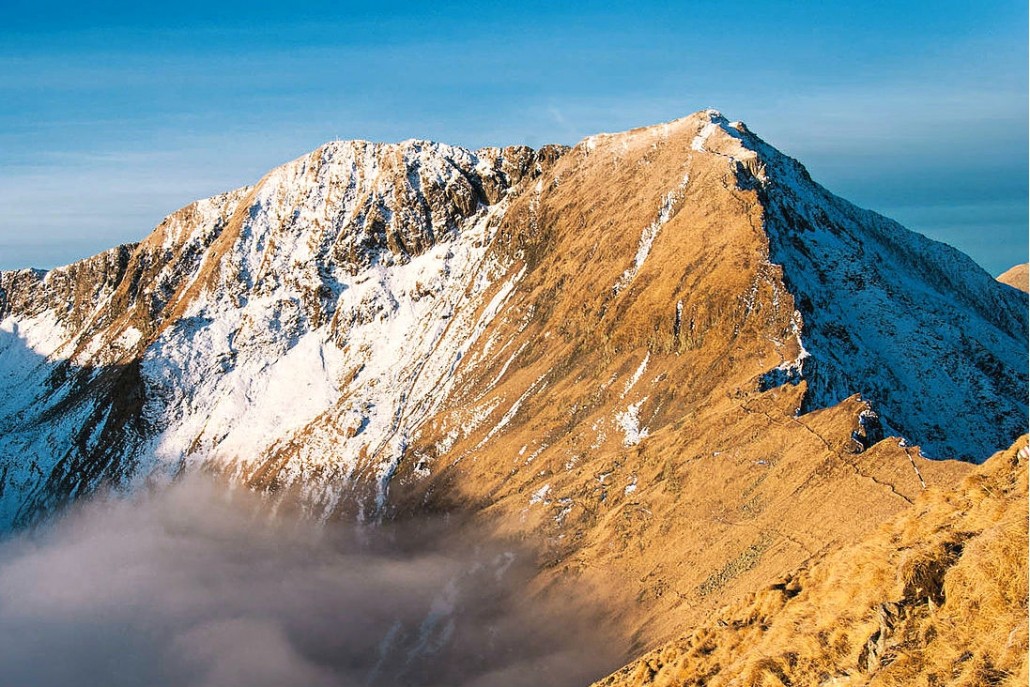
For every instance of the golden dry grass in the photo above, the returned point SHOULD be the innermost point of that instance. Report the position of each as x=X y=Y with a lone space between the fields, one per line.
x=730 y=490
x=938 y=596
x=1017 y=276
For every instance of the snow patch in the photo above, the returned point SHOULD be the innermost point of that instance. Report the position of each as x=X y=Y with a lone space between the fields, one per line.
x=650 y=233
x=540 y=495
x=788 y=371
x=629 y=421
x=512 y=411
x=636 y=375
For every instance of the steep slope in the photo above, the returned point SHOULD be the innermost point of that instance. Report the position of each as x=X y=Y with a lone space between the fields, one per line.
x=244 y=317
x=851 y=271
x=1016 y=276
x=628 y=426
x=937 y=596
x=659 y=346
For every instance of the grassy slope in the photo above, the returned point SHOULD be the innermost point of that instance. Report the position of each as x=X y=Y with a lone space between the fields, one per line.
x=938 y=596
x=1016 y=276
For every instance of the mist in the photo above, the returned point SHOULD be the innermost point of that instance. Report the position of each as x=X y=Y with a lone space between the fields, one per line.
x=196 y=585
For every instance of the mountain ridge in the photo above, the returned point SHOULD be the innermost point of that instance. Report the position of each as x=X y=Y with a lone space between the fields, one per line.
x=655 y=346
x=937 y=594
x=457 y=182
x=1016 y=276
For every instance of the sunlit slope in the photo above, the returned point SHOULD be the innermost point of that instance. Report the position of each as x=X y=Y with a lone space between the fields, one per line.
x=936 y=596
x=1016 y=276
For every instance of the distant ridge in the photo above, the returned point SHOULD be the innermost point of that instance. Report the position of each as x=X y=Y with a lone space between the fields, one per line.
x=1017 y=276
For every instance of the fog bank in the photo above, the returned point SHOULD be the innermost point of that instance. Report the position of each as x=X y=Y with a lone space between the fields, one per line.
x=193 y=587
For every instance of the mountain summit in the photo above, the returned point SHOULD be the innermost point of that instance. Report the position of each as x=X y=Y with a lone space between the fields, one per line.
x=669 y=334
x=315 y=325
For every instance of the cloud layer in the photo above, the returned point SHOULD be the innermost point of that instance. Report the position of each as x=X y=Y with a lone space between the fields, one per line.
x=193 y=587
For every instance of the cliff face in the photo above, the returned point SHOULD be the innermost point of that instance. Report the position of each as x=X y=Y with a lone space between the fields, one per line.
x=240 y=318
x=659 y=346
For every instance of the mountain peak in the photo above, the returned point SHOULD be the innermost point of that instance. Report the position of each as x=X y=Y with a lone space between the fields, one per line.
x=386 y=276
x=670 y=335
x=659 y=345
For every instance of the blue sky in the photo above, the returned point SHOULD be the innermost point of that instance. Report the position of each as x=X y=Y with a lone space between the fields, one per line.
x=113 y=114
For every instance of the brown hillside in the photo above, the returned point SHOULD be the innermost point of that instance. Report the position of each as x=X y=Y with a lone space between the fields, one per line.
x=1016 y=276
x=729 y=489
x=938 y=596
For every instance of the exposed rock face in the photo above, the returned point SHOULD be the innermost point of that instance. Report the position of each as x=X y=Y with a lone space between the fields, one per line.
x=646 y=349
x=937 y=596
x=1016 y=276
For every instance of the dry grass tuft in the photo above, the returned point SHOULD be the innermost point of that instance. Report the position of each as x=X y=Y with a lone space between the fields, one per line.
x=936 y=597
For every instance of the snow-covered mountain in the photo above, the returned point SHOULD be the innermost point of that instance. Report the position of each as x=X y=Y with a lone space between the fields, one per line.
x=345 y=285
x=370 y=308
